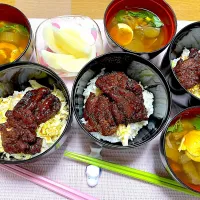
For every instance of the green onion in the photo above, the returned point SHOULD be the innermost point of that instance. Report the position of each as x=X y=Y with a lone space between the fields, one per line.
x=131 y=172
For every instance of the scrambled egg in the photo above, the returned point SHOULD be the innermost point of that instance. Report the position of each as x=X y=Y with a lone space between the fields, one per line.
x=195 y=90
x=123 y=132
x=8 y=104
x=52 y=129
x=190 y=143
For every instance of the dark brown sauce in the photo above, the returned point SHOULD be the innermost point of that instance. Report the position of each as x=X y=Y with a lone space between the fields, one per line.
x=188 y=71
x=18 y=134
x=121 y=103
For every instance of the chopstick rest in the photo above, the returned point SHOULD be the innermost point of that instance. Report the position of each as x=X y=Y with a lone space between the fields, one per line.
x=131 y=172
x=93 y=172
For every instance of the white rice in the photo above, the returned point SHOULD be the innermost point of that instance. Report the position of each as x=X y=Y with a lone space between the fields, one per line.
x=134 y=127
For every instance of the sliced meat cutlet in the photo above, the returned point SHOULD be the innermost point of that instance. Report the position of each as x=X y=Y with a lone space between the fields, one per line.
x=90 y=105
x=19 y=132
x=88 y=114
x=107 y=81
x=28 y=121
x=122 y=103
x=104 y=117
x=31 y=99
x=98 y=115
x=117 y=114
x=37 y=106
x=47 y=108
x=188 y=72
x=114 y=79
x=134 y=87
x=126 y=93
x=131 y=105
x=19 y=140
x=23 y=112
x=135 y=99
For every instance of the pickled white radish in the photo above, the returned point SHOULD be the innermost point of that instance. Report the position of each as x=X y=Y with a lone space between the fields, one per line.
x=73 y=65
x=52 y=59
x=69 y=42
x=63 y=62
x=49 y=39
x=79 y=32
x=83 y=35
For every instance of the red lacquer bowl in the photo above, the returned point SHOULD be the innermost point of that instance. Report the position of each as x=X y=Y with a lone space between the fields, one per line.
x=159 y=7
x=187 y=113
x=11 y=14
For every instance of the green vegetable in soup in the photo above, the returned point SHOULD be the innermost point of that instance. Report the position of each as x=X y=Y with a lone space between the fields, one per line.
x=140 y=14
x=120 y=16
x=157 y=22
x=177 y=127
x=16 y=28
x=149 y=17
x=196 y=122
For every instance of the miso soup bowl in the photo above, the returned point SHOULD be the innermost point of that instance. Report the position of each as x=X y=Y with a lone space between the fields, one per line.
x=184 y=114
x=158 y=7
x=15 y=77
x=134 y=67
x=11 y=14
x=188 y=37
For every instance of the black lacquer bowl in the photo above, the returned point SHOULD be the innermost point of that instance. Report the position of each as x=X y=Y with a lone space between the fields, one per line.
x=188 y=37
x=187 y=113
x=15 y=77
x=136 y=68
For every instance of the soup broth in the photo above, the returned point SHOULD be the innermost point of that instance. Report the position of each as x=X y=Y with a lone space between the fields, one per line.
x=13 y=41
x=182 y=147
x=137 y=30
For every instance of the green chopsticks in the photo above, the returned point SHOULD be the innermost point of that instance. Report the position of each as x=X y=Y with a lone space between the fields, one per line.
x=131 y=172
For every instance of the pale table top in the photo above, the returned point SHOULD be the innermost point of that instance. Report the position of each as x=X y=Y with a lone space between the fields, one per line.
x=184 y=9
x=111 y=186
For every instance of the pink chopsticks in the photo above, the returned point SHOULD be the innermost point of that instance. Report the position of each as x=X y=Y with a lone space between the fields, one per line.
x=58 y=188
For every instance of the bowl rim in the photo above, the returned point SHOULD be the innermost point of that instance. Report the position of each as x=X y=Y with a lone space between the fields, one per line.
x=110 y=145
x=127 y=50
x=173 y=42
x=30 y=40
x=50 y=72
x=63 y=16
x=162 y=146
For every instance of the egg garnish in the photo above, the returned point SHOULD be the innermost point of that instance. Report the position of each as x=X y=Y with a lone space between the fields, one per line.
x=122 y=34
x=190 y=143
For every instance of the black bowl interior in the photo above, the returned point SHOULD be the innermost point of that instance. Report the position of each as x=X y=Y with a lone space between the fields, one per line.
x=15 y=77
x=188 y=37
x=136 y=68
